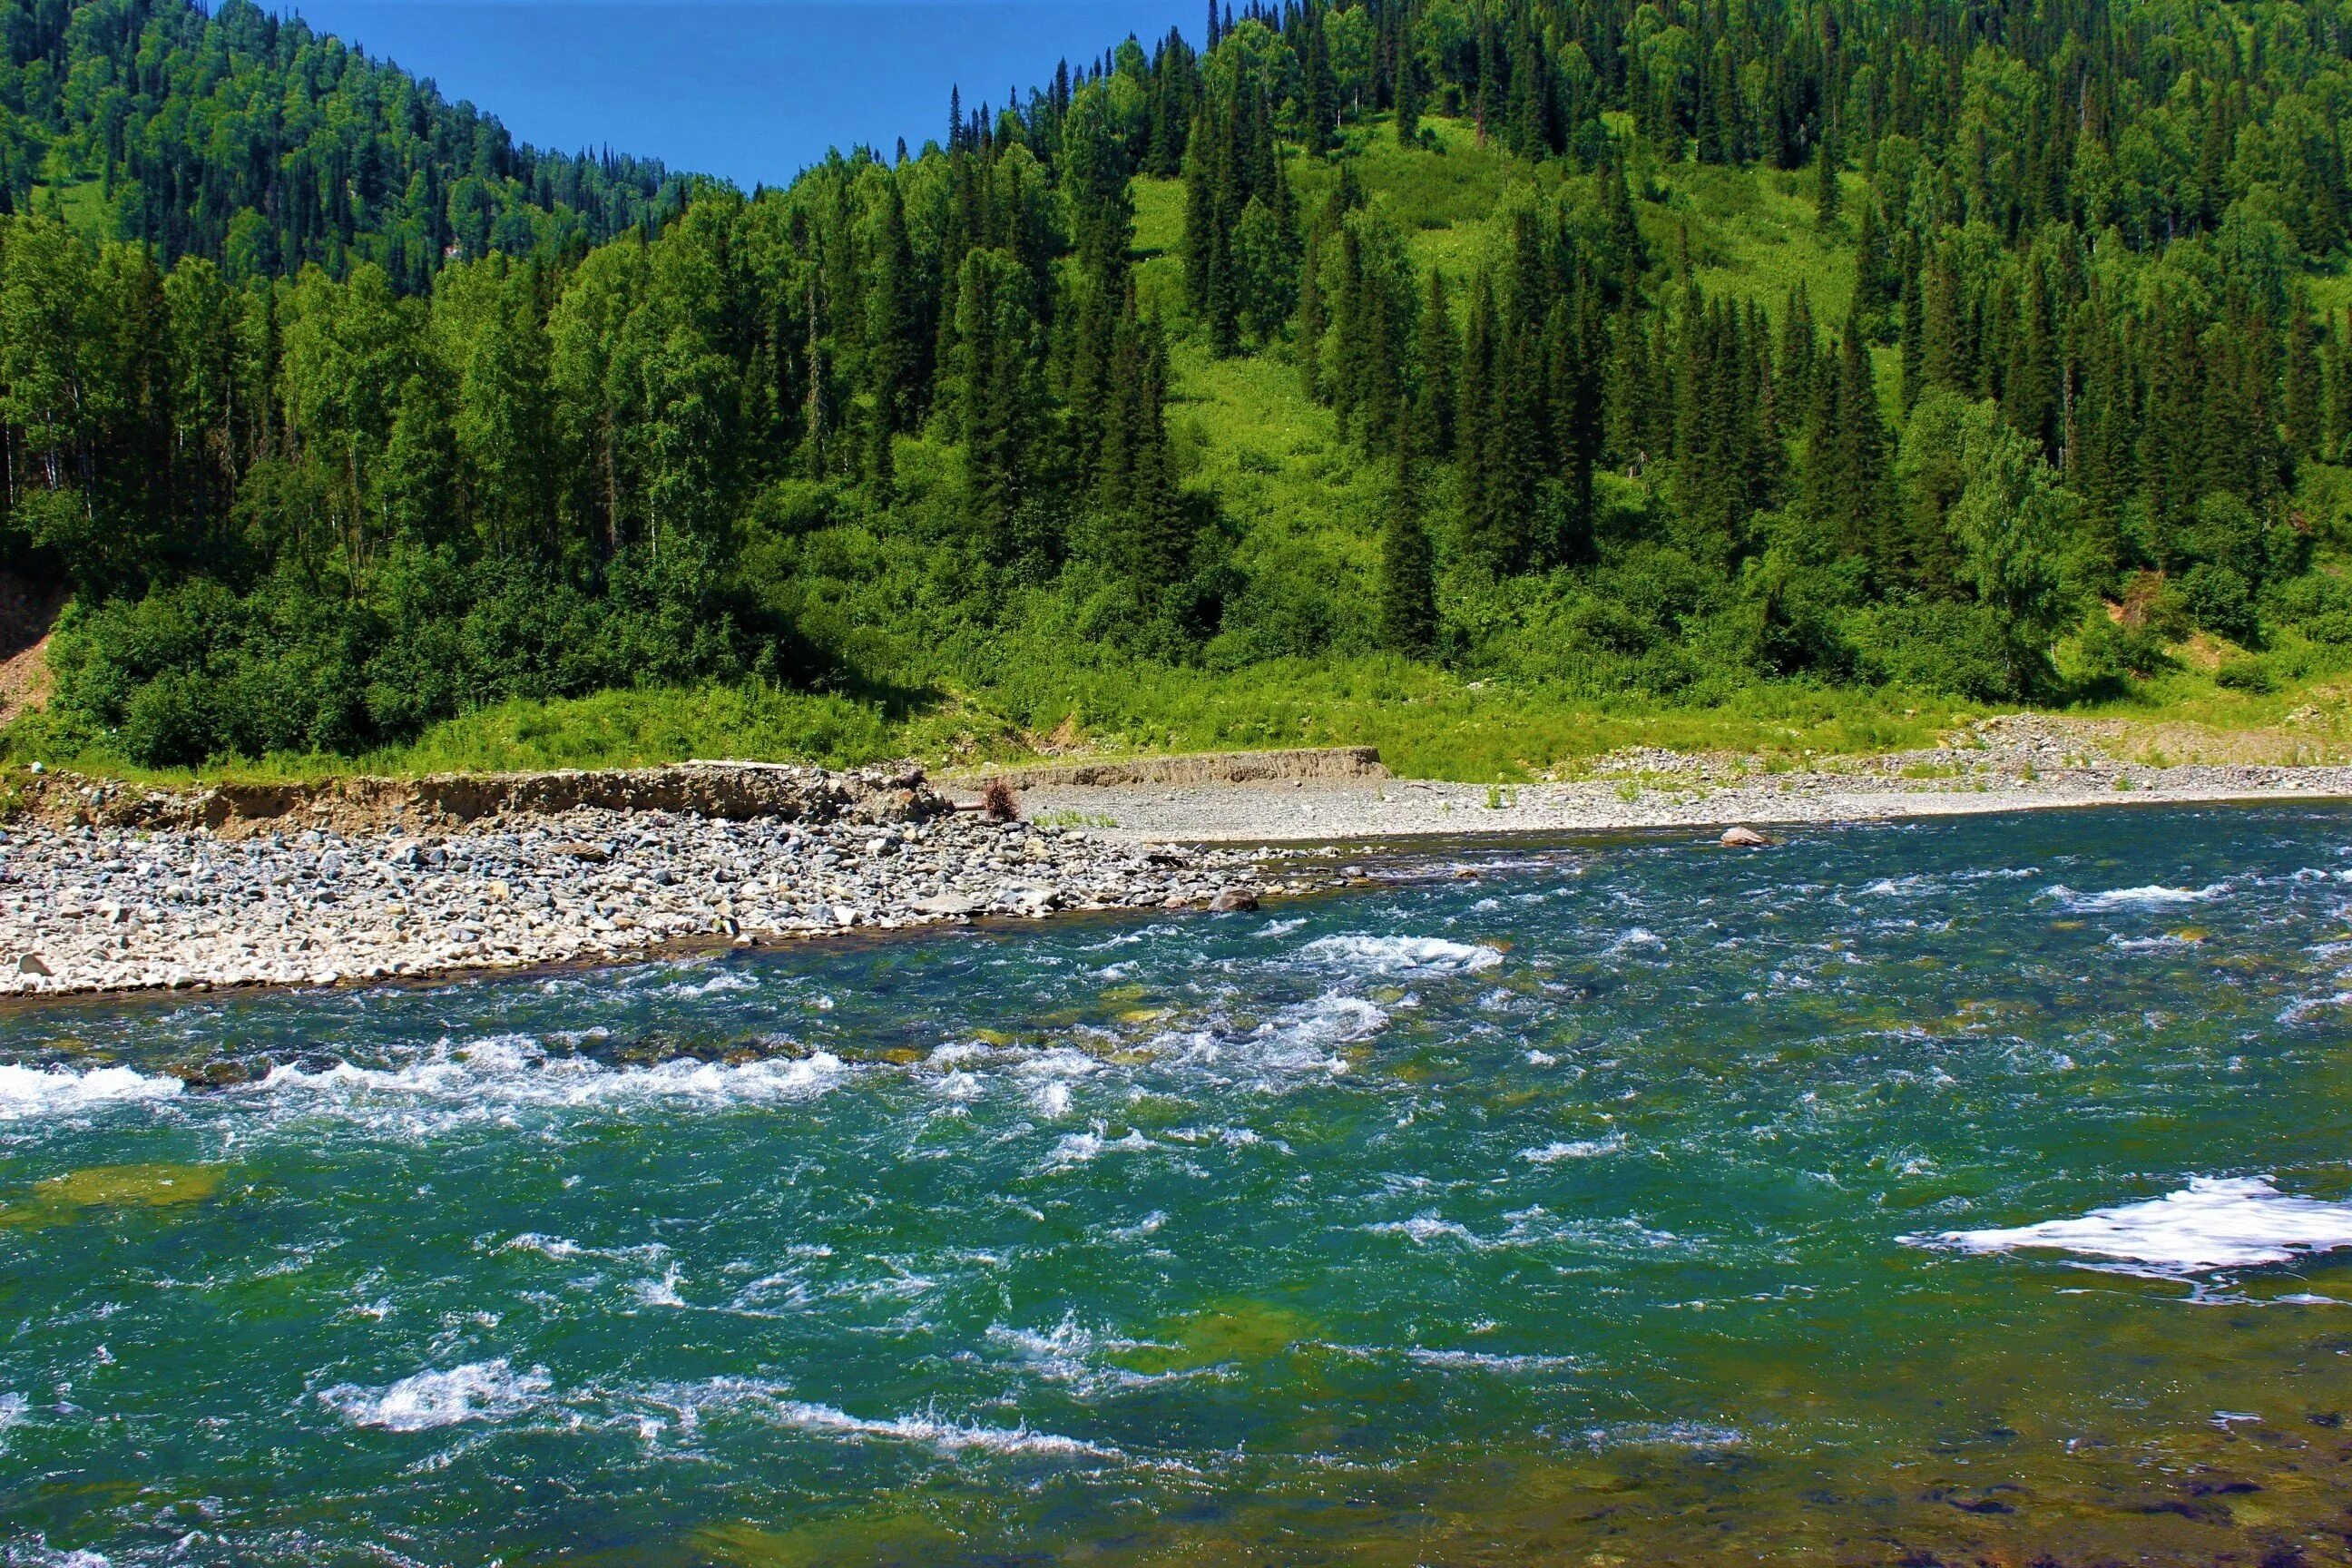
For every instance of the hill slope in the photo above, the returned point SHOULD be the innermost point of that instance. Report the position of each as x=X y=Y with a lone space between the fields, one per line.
x=1489 y=383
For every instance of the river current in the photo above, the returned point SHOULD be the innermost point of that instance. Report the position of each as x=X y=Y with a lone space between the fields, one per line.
x=1906 y=1193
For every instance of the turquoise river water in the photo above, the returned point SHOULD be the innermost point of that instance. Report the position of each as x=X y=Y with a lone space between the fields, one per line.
x=1952 y=1192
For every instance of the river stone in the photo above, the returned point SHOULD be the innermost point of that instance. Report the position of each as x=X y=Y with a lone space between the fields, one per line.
x=949 y=906
x=1744 y=838
x=1232 y=901
x=33 y=963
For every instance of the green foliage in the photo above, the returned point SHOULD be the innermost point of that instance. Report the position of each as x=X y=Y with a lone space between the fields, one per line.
x=251 y=141
x=1629 y=362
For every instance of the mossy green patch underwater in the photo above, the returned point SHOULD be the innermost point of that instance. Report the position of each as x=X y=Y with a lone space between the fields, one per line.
x=1906 y=1192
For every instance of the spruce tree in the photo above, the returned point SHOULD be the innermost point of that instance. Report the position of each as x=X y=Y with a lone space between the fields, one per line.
x=1473 y=431
x=2338 y=371
x=1826 y=195
x=1408 y=584
x=1407 y=90
x=1321 y=102
x=2300 y=391
x=1943 y=355
x=1437 y=355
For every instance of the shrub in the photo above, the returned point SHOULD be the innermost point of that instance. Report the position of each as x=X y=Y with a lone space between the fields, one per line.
x=1941 y=646
x=2246 y=674
x=2110 y=652
x=2219 y=599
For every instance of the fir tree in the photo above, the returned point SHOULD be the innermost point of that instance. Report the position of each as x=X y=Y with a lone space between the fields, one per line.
x=1407 y=92
x=1408 y=586
x=1827 y=196
x=1437 y=355
x=1321 y=102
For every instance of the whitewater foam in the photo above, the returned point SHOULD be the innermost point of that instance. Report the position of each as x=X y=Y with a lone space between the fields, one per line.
x=1580 y=1149
x=2151 y=897
x=1401 y=954
x=26 y=1092
x=947 y=1436
x=661 y=1292
x=1425 y=1229
x=1487 y=1361
x=769 y=1402
x=476 y=1391
x=492 y=1078
x=1082 y=1148
x=2216 y=1223
x=1665 y=1434
x=724 y=981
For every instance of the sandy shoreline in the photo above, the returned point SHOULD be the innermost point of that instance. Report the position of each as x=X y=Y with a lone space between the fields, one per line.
x=2018 y=763
x=1351 y=812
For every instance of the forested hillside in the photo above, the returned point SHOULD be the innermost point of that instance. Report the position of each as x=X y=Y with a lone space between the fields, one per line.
x=1599 y=352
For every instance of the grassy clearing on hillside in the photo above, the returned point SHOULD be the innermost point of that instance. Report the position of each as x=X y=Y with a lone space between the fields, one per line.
x=1754 y=236
x=81 y=202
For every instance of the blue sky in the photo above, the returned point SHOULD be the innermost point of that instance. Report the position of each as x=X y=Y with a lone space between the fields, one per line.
x=750 y=89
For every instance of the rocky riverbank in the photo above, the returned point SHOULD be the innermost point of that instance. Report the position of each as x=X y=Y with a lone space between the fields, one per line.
x=112 y=886
x=116 y=889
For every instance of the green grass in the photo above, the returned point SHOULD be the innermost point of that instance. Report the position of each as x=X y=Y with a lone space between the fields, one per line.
x=1753 y=234
x=85 y=207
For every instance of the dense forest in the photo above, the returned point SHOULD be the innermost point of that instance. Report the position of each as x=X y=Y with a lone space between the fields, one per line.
x=1989 y=349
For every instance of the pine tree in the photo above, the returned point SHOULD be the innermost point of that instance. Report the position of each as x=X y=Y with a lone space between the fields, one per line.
x=1854 y=493
x=1408 y=586
x=1826 y=195
x=1407 y=89
x=1437 y=355
x=2300 y=391
x=1943 y=358
x=895 y=332
x=1321 y=105
x=1473 y=431
x=1911 y=317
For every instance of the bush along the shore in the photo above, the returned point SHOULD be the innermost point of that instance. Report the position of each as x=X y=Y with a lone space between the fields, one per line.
x=1914 y=353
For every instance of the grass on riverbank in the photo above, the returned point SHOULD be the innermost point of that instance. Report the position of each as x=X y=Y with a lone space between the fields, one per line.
x=1427 y=724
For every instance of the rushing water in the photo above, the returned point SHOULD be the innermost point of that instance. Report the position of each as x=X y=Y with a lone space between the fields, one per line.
x=1906 y=1192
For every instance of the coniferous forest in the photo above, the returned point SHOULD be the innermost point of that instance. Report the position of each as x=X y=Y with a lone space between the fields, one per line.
x=1605 y=350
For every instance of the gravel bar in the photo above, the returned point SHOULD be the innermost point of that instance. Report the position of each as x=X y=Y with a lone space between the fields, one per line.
x=94 y=909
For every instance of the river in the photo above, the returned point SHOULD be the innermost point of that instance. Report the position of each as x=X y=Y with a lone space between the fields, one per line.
x=1908 y=1192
